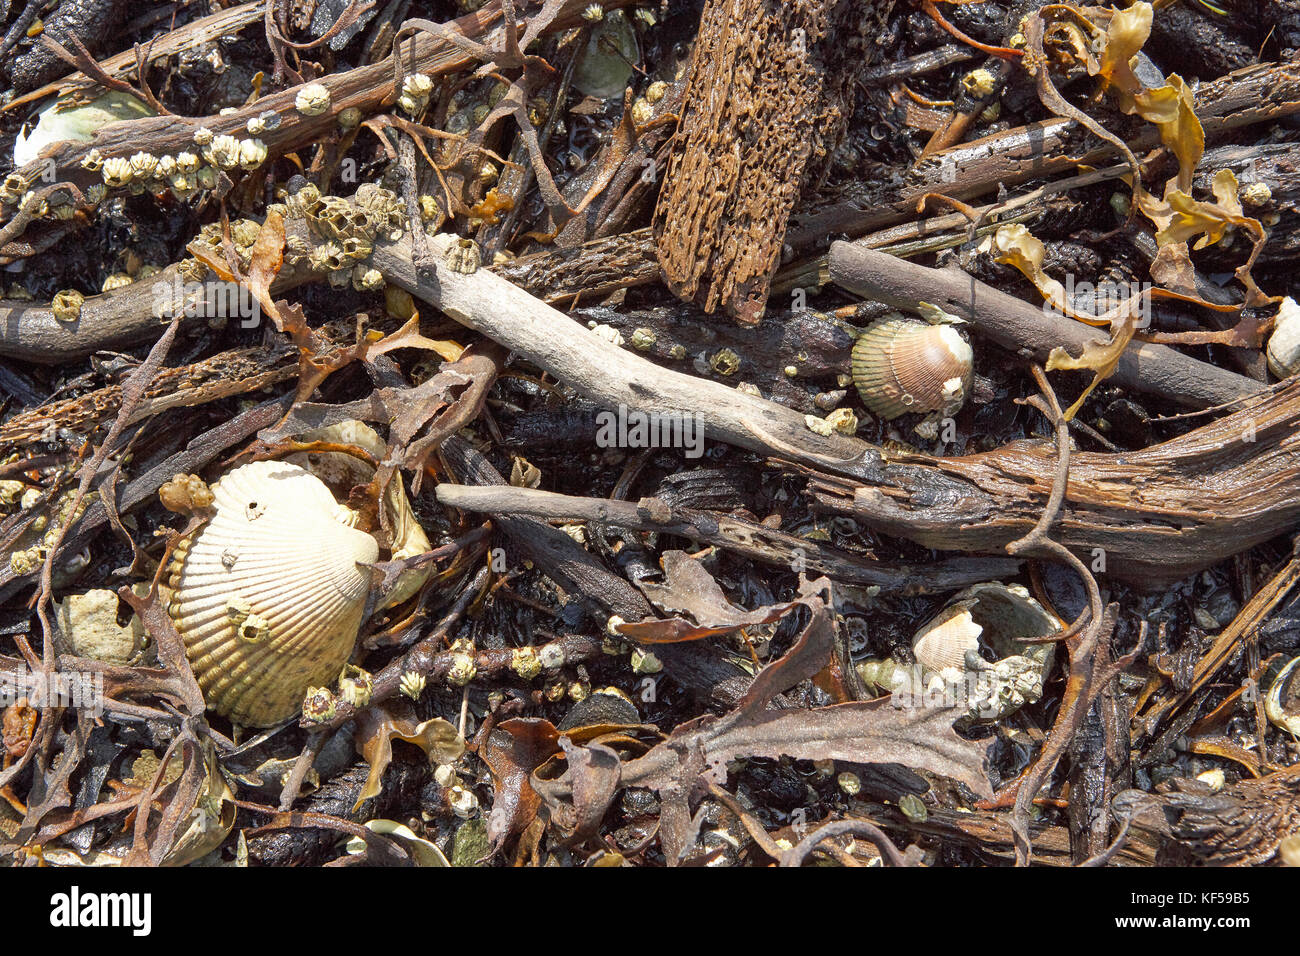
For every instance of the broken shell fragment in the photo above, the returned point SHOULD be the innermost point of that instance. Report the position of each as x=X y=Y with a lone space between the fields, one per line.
x=902 y=366
x=296 y=577
x=1282 y=703
x=1284 y=343
x=984 y=620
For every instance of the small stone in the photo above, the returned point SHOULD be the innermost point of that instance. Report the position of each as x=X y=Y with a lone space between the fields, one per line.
x=89 y=624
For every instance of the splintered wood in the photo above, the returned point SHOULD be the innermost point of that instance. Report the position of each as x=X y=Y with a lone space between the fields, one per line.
x=768 y=98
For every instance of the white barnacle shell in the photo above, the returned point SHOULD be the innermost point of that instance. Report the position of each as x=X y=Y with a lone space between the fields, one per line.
x=418 y=85
x=312 y=100
x=297 y=577
x=252 y=153
x=143 y=165
x=117 y=171
x=187 y=162
x=223 y=152
x=66 y=305
x=202 y=136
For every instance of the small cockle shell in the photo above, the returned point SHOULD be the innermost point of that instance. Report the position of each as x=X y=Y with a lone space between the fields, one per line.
x=294 y=574
x=902 y=366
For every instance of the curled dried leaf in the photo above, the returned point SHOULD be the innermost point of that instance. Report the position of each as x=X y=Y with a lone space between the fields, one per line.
x=1099 y=356
x=378 y=727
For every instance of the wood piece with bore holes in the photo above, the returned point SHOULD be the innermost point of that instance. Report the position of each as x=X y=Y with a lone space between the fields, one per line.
x=769 y=93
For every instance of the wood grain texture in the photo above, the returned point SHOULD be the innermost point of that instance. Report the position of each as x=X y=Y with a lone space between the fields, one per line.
x=768 y=96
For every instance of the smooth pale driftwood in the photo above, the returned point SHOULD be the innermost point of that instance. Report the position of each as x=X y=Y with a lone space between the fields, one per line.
x=1018 y=325
x=726 y=531
x=604 y=372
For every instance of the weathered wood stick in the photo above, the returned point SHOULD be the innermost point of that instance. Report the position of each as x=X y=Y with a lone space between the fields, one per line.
x=1148 y=517
x=726 y=531
x=607 y=374
x=1019 y=326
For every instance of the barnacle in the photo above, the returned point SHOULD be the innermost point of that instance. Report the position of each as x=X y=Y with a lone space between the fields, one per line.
x=312 y=100
x=252 y=153
x=366 y=279
x=223 y=151
x=143 y=165
x=66 y=305
x=525 y=663
x=412 y=684
x=117 y=172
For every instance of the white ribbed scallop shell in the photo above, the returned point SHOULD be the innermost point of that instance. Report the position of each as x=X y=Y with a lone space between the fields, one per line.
x=276 y=548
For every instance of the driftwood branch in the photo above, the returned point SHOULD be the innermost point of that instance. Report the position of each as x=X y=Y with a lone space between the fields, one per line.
x=726 y=531
x=605 y=373
x=1150 y=516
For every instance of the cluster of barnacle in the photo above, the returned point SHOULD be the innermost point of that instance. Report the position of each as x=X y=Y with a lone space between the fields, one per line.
x=416 y=89
x=347 y=230
x=42 y=534
x=188 y=171
x=59 y=203
x=243 y=234
x=643 y=107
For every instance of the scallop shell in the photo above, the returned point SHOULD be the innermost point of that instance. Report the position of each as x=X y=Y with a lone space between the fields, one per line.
x=901 y=366
x=268 y=596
